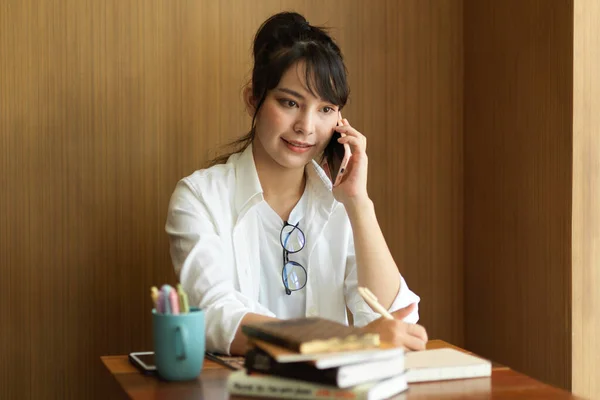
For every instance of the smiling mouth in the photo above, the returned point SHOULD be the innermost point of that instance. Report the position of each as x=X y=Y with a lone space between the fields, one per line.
x=297 y=144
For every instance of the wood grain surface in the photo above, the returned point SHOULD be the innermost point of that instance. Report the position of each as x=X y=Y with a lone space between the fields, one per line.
x=586 y=199
x=104 y=105
x=518 y=142
x=503 y=384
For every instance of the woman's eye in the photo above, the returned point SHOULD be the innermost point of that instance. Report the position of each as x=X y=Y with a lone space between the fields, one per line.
x=288 y=103
x=328 y=109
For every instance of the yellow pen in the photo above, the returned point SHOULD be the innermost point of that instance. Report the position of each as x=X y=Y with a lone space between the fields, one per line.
x=371 y=300
x=184 y=306
x=154 y=295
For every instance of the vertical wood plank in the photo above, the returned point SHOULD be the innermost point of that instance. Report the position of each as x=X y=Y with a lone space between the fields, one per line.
x=586 y=198
x=518 y=141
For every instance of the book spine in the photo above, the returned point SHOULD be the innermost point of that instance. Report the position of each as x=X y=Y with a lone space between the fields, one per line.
x=265 y=336
x=286 y=389
x=259 y=361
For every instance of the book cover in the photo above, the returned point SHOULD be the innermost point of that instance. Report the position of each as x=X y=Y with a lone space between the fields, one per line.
x=311 y=335
x=444 y=364
x=240 y=383
x=345 y=376
x=329 y=359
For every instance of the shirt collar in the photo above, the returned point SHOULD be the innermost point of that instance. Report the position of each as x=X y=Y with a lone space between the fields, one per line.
x=249 y=191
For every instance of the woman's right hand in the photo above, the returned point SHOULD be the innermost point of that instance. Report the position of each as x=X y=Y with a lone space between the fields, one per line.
x=399 y=333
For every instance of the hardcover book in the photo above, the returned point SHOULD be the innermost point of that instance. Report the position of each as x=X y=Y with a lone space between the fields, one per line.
x=243 y=384
x=344 y=376
x=311 y=335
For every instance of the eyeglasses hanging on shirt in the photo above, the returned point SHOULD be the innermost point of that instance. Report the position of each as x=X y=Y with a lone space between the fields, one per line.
x=293 y=274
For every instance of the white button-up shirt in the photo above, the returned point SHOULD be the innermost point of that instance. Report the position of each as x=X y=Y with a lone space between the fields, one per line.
x=272 y=290
x=214 y=232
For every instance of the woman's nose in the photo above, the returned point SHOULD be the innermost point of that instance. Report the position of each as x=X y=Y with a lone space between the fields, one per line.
x=304 y=124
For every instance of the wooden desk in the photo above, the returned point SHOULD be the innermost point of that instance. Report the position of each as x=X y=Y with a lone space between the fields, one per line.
x=504 y=384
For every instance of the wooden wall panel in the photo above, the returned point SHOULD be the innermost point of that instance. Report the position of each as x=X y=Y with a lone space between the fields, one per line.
x=518 y=142
x=586 y=199
x=417 y=164
x=104 y=105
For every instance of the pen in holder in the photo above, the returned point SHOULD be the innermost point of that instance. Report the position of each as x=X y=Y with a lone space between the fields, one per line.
x=179 y=344
x=178 y=332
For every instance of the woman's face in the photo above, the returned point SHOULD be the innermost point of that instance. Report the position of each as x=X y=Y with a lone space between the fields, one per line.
x=292 y=125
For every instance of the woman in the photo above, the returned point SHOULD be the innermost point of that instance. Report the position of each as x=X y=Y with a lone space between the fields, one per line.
x=261 y=234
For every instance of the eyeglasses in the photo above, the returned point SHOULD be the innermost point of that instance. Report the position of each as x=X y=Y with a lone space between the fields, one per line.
x=293 y=274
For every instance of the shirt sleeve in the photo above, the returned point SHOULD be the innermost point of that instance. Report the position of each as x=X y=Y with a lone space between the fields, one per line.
x=206 y=268
x=361 y=312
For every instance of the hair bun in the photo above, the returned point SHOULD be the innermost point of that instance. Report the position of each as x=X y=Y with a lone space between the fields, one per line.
x=305 y=26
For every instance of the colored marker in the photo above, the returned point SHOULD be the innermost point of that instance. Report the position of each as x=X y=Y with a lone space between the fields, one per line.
x=160 y=304
x=154 y=295
x=166 y=292
x=174 y=302
x=184 y=307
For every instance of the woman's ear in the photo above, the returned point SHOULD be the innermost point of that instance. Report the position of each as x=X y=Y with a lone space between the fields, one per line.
x=249 y=101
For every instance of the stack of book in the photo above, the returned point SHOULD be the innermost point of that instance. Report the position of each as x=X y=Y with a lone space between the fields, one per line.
x=316 y=358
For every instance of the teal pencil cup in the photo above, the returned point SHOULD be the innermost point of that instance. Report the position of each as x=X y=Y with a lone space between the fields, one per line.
x=179 y=344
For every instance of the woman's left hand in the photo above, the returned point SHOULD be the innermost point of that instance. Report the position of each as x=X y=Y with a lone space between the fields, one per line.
x=353 y=186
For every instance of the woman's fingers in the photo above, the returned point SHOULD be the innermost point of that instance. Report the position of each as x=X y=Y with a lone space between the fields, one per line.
x=411 y=336
x=356 y=143
x=349 y=130
x=417 y=331
x=399 y=333
x=412 y=342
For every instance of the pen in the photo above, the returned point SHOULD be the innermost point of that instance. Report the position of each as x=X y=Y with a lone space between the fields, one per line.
x=166 y=291
x=373 y=303
x=184 y=307
x=154 y=295
x=160 y=308
x=174 y=302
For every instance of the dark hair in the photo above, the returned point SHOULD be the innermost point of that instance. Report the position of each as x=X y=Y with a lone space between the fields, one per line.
x=281 y=41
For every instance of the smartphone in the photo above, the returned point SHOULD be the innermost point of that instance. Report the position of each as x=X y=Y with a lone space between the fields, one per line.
x=144 y=361
x=231 y=362
x=337 y=156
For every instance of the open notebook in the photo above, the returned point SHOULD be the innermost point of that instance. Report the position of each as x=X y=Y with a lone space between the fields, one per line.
x=443 y=364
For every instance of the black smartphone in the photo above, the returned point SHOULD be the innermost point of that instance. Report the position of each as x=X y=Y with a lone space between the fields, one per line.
x=144 y=361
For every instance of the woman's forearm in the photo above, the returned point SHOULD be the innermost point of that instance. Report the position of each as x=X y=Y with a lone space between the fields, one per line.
x=375 y=266
x=240 y=341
